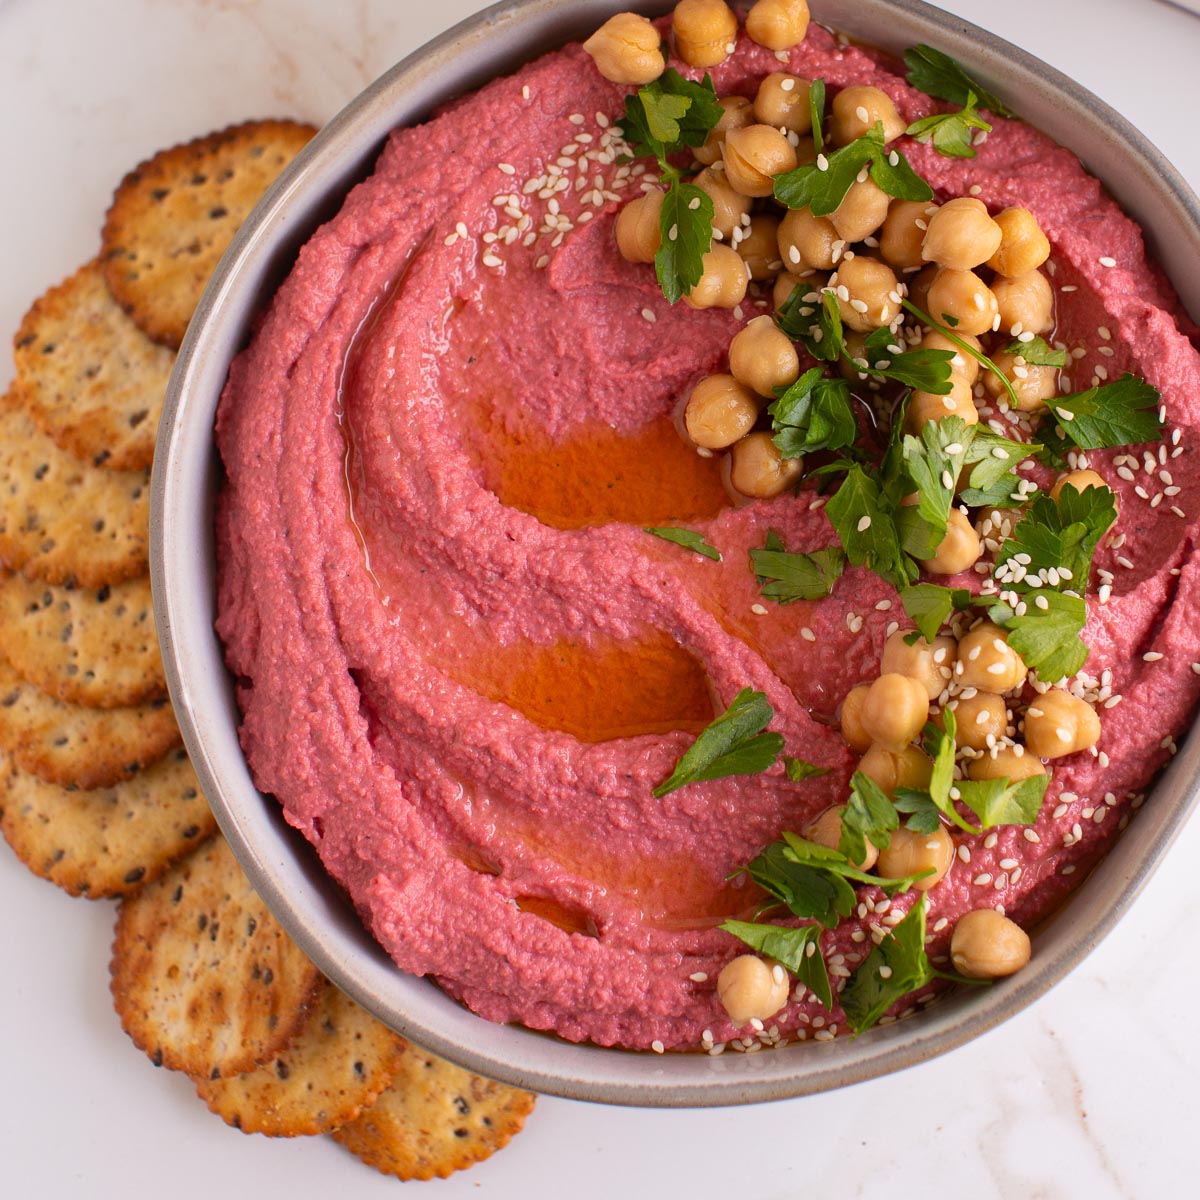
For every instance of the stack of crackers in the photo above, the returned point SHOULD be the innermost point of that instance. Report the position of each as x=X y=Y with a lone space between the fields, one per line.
x=96 y=793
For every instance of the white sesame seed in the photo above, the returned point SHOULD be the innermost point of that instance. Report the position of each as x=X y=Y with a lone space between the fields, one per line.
x=864 y=523
x=758 y=610
x=1106 y=261
x=1152 y=656
x=657 y=1047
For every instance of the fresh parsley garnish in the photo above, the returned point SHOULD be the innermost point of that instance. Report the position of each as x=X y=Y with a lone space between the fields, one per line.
x=815 y=413
x=863 y=512
x=1004 y=802
x=993 y=481
x=1047 y=634
x=937 y=74
x=925 y=370
x=869 y=816
x=929 y=606
x=798 y=949
x=689 y=539
x=945 y=327
x=1037 y=353
x=816 y=110
x=950 y=133
x=685 y=222
x=734 y=744
x=817 y=324
x=1122 y=413
x=785 y=577
x=799 y=769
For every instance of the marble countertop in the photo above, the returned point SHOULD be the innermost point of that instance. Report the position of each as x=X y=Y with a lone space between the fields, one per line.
x=1089 y=1093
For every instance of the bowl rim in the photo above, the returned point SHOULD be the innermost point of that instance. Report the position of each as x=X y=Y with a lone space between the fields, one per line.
x=281 y=865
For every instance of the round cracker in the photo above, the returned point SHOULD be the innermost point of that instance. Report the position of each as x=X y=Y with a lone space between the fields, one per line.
x=204 y=979
x=435 y=1119
x=96 y=648
x=62 y=520
x=107 y=842
x=74 y=746
x=91 y=379
x=173 y=216
x=336 y=1068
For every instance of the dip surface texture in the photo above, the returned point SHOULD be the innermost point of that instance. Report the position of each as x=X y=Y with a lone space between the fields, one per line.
x=463 y=665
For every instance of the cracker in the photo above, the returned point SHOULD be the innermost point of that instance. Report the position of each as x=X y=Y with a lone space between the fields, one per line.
x=435 y=1119
x=336 y=1068
x=88 y=647
x=63 y=520
x=107 y=842
x=204 y=979
x=91 y=379
x=75 y=746
x=172 y=218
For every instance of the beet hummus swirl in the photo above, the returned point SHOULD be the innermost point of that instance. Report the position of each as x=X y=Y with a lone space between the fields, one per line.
x=463 y=665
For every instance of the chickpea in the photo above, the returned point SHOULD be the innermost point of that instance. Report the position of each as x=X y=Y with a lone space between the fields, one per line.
x=782 y=102
x=1033 y=385
x=627 y=49
x=1007 y=762
x=729 y=206
x=873 y=296
x=1025 y=302
x=961 y=235
x=806 y=151
x=754 y=156
x=760 y=248
x=910 y=853
x=723 y=282
x=930 y=663
x=959 y=550
x=1058 y=724
x=986 y=945
x=737 y=115
x=778 y=24
x=893 y=769
x=928 y=406
x=705 y=31
x=785 y=285
x=862 y=211
x=719 y=412
x=977 y=718
x=964 y=296
x=903 y=232
x=962 y=366
x=763 y=357
x=856 y=109
x=826 y=830
x=986 y=661
x=919 y=285
x=857 y=738
x=894 y=710
x=749 y=987
x=856 y=353
x=758 y=470
x=807 y=241
x=1079 y=480
x=1023 y=245
x=639 y=234
x=996 y=524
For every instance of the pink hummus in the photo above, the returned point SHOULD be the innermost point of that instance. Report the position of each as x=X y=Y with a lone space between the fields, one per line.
x=392 y=599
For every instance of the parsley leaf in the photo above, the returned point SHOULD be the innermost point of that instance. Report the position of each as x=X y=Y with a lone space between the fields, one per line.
x=869 y=816
x=816 y=111
x=734 y=744
x=818 y=327
x=933 y=462
x=897 y=966
x=1037 y=353
x=813 y=414
x=689 y=539
x=925 y=370
x=797 y=769
x=951 y=132
x=939 y=744
x=685 y=222
x=925 y=816
x=785 y=577
x=863 y=513
x=1001 y=802
x=993 y=481
x=937 y=74
x=929 y=606
x=1046 y=635
x=1121 y=413
x=797 y=949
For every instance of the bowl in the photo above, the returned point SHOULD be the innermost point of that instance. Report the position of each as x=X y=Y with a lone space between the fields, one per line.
x=281 y=864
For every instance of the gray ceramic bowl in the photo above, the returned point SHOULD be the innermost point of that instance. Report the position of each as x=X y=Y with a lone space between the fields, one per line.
x=284 y=868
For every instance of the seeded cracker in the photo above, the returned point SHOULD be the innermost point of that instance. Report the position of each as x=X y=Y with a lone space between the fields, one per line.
x=74 y=746
x=91 y=379
x=435 y=1119
x=93 y=647
x=337 y=1067
x=204 y=980
x=66 y=521
x=107 y=842
x=172 y=218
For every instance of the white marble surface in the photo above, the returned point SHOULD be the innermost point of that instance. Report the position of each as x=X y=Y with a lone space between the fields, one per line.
x=1088 y=1094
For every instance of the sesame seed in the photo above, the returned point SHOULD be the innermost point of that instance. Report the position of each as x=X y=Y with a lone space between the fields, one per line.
x=982 y=880
x=864 y=523
x=700 y=977
x=758 y=610
x=822 y=163
x=975 y=189
x=1106 y=261
x=657 y=1047
x=807 y=634
x=1152 y=656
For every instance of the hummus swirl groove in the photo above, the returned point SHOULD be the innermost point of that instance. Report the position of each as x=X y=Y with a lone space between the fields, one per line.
x=463 y=666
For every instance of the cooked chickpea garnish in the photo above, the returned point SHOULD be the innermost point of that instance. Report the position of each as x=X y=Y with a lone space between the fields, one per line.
x=807 y=241
x=857 y=738
x=1008 y=762
x=729 y=205
x=1025 y=302
x=785 y=285
x=893 y=769
x=872 y=288
x=705 y=31
x=723 y=282
x=861 y=212
x=751 y=988
x=758 y=470
x=737 y=115
x=928 y=406
x=782 y=102
x=910 y=853
x=996 y=524
x=1058 y=724
x=961 y=235
x=763 y=357
x=894 y=710
x=962 y=366
x=986 y=661
x=639 y=234
x=1079 y=480
x=754 y=156
x=1033 y=385
x=826 y=830
x=856 y=347
x=964 y=296
x=977 y=718
x=855 y=111
x=919 y=285
x=923 y=661
x=778 y=24
x=719 y=412
x=903 y=232
x=760 y=248
x=1023 y=245
x=986 y=945
x=627 y=49
x=959 y=550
